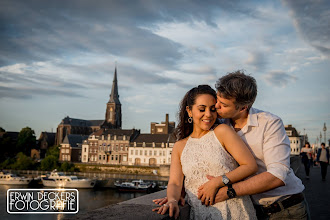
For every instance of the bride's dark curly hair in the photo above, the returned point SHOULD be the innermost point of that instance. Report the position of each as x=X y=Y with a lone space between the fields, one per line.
x=185 y=128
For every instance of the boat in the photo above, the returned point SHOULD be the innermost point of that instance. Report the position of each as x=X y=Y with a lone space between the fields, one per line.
x=58 y=179
x=135 y=186
x=12 y=179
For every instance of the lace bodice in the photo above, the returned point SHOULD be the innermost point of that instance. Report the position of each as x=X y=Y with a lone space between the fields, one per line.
x=206 y=155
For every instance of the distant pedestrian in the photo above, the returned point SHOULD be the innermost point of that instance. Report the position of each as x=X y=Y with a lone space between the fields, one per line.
x=307 y=158
x=323 y=159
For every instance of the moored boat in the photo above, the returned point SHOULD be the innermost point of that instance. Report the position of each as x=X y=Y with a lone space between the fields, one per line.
x=58 y=179
x=134 y=186
x=12 y=179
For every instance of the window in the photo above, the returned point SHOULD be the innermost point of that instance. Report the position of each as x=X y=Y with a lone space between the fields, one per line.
x=111 y=157
x=103 y=157
x=141 y=152
x=85 y=149
x=145 y=152
x=150 y=153
x=155 y=153
x=136 y=152
x=132 y=151
x=99 y=157
x=67 y=151
x=116 y=157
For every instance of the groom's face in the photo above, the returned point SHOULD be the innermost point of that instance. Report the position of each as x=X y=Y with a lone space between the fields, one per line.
x=226 y=108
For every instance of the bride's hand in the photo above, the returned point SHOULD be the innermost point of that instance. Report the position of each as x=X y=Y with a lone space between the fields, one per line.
x=207 y=191
x=172 y=206
x=160 y=201
x=164 y=200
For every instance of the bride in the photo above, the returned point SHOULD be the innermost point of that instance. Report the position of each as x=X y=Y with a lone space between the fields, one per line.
x=203 y=150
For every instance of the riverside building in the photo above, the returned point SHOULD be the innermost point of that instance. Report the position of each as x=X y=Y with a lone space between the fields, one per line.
x=296 y=140
x=112 y=145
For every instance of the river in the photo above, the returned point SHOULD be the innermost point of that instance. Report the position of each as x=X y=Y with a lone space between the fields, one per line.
x=89 y=199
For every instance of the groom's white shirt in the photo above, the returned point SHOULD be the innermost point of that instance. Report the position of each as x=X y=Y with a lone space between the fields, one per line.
x=265 y=135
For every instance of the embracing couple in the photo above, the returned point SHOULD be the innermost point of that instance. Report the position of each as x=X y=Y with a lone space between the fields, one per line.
x=235 y=167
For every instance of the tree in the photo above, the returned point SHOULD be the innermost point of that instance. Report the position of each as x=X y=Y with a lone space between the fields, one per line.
x=23 y=162
x=2 y=130
x=51 y=160
x=26 y=140
x=7 y=147
x=67 y=167
x=49 y=163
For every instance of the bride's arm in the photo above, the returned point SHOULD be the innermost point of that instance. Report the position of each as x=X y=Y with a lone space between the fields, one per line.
x=175 y=183
x=237 y=148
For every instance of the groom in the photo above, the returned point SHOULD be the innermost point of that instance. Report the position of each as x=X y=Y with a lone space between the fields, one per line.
x=275 y=190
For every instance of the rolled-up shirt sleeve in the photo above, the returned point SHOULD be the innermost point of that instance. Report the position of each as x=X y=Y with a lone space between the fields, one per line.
x=276 y=149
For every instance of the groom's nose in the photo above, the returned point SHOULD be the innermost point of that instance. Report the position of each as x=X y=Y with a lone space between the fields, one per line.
x=217 y=105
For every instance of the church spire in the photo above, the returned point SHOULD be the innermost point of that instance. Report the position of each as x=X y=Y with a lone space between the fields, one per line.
x=114 y=96
x=113 y=111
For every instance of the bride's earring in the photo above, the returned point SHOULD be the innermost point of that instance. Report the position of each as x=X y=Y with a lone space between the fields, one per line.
x=190 y=120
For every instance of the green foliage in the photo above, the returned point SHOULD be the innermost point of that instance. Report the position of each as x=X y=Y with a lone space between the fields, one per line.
x=2 y=130
x=68 y=167
x=51 y=160
x=53 y=151
x=49 y=163
x=7 y=148
x=7 y=163
x=26 y=140
x=23 y=162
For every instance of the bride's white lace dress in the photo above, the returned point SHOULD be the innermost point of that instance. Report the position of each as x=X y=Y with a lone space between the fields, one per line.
x=206 y=155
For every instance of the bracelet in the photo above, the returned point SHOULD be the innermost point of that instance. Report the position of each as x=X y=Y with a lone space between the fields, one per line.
x=173 y=200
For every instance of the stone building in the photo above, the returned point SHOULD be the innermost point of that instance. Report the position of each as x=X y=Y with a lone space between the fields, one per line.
x=108 y=146
x=86 y=127
x=76 y=126
x=45 y=141
x=151 y=149
x=108 y=143
x=70 y=149
x=296 y=141
x=162 y=128
x=113 y=110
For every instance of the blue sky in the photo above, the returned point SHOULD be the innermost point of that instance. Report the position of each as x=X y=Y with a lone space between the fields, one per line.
x=57 y=58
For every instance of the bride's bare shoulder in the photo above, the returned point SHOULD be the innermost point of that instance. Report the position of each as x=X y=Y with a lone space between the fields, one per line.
x=179 y=145
x=222 y=128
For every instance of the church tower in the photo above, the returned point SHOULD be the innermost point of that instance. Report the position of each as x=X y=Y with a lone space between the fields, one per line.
x=113 y=112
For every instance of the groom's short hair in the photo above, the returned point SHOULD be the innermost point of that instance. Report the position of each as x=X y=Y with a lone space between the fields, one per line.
x=240 y=86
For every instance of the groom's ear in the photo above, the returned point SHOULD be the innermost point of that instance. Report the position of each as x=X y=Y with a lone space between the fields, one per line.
x=244 y=108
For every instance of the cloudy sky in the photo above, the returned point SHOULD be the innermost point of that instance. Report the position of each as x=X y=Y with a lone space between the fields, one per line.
x=57 y=58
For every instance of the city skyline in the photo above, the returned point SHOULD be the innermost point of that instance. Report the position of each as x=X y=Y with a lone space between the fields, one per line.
x=58 y=58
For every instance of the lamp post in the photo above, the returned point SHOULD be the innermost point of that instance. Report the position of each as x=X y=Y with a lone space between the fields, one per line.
x=325 y=137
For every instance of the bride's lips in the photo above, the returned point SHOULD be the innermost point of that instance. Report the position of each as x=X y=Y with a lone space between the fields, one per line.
x=207 y=121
